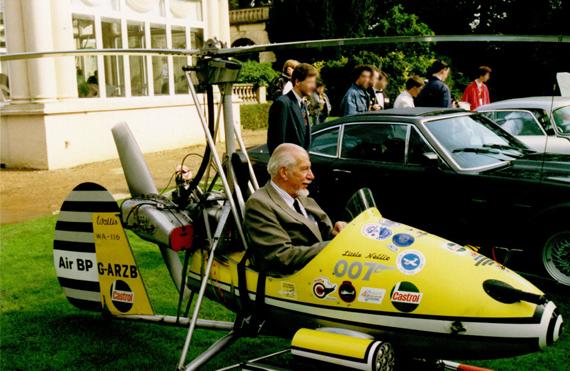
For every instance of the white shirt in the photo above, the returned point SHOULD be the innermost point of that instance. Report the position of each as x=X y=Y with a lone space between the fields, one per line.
x=404 y=100
x=299 y=99
x=480 y=87
x=290 y=200
x=288 y=87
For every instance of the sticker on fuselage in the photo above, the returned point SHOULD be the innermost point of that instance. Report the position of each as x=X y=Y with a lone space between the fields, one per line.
x=405 y=296
x=410 y=261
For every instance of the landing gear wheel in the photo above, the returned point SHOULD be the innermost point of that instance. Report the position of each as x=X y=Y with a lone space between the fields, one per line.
x=556 y=257
x=385 y=357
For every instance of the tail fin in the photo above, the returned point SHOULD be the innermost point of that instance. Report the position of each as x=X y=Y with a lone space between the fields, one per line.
x=92 y=256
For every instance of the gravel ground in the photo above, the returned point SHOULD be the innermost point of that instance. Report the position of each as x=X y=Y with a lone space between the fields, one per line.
x=28 y=194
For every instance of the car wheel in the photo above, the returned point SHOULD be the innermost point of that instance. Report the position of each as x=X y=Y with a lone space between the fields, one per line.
x=556 y=256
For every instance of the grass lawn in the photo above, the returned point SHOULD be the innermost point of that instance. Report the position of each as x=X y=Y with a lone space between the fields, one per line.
x=39 y=329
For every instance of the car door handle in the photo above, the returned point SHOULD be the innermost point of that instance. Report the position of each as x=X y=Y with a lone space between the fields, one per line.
x=342 y=171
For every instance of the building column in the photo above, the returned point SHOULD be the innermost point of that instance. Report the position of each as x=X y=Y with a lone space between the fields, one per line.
x=62 y=32
x=213 y=19
x=224 y=25
x=16 y=43
x=36 y=16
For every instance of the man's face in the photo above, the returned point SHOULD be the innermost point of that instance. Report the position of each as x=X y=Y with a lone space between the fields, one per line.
x=364 y=79
x=374 y=78
x=307 y=86
x=298 y=177
x=415 y=91
x=381 y=84
x=445 y=73
x=485 y=77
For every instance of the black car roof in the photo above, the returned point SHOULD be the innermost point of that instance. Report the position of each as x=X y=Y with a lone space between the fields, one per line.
x=408 y=114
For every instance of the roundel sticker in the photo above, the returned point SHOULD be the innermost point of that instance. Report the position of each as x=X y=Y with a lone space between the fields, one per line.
x=403 y=240
x=376 y=231
x=410 y=261
x=122 y=296
x=322 y=287
x=405 y=296
x=347 y=292
x=453 y=247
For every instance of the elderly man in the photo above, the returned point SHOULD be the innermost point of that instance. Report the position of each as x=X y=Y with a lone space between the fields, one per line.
x=286 y=228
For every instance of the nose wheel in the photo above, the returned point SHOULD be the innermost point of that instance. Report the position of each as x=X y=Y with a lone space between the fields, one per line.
x=385 y=357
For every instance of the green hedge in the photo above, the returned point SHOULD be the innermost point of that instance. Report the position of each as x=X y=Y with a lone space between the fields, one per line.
x=254 y=116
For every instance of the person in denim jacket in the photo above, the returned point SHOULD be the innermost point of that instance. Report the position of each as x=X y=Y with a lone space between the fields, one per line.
x=356 y=99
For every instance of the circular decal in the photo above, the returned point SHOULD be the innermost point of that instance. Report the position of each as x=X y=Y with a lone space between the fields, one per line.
x=411 y=261
x=389 y=223
x=322 y=287
x=405 y=296
x=347 y=292
x=122 y=296
x=376 y=231
x=403 y=239
x=453 y=247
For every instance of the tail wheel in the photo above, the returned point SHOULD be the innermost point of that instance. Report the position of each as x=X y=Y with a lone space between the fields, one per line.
x=385 y=357
x=556 y=256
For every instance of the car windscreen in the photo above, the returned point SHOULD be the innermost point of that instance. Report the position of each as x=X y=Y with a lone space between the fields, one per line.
x=561 y=117
x=473 y=141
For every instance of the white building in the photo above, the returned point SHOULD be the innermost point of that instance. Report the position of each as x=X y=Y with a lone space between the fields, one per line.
x=60 y=110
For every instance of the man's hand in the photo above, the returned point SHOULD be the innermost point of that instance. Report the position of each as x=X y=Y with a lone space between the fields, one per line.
x=376 y=107
x=338 y=226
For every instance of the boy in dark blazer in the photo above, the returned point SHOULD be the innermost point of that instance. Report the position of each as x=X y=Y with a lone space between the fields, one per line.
x=289 y=116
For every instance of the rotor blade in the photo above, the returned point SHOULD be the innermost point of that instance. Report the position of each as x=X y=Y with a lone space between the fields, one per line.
x=89 y=52
x=310 y=44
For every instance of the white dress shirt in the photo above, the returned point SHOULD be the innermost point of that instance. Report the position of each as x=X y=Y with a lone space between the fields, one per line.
x=290 y=200
x=404 y=100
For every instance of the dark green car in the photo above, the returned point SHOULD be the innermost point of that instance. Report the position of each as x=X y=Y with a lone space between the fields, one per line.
x=451 y=172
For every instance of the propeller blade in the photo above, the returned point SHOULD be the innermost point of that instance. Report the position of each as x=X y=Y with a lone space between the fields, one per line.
x=308 y=44
x=137 y=174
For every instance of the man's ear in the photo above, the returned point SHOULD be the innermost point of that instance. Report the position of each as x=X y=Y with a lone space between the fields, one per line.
x=283 y=173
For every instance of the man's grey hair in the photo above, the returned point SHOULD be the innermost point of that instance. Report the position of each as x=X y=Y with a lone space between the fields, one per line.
x=285 y=155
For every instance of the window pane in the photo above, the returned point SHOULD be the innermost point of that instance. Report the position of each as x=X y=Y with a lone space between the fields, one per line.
x=139 y=82
x=325 y=143
x=179 y=42
x=114 y=74
x=562 y=119
x=377 y=142
x=86 y=67
x=417 y=148
x=159 y=64
x=518 y=123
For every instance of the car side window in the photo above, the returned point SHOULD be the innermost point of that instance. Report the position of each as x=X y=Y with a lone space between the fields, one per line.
x=325 y=142
x=519 y=123
x=376 y=142
x=417 y=147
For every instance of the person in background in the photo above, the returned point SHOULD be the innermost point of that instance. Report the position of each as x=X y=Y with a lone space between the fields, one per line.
x=477 y=93
x=320 y=106
x=282 y=85
x=378 y=98
x=356 y=99
x=289 y=115
x=413 y=87
x=436 y=93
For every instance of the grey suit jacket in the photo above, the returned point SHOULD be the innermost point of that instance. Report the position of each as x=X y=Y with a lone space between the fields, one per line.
x=281 y=239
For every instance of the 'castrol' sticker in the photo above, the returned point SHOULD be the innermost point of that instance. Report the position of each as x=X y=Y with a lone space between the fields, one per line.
x=405 y=296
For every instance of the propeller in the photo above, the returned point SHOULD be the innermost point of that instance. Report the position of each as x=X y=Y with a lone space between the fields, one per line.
x=212 y=50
